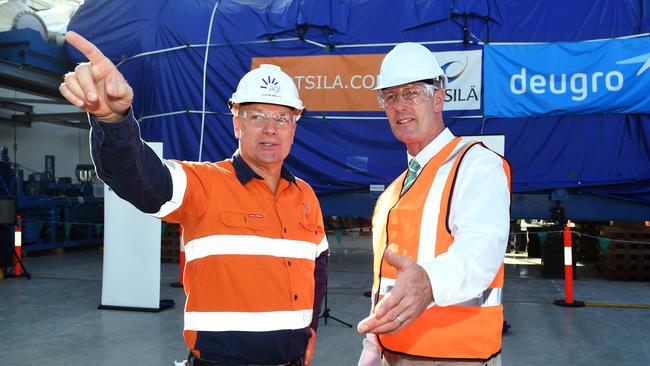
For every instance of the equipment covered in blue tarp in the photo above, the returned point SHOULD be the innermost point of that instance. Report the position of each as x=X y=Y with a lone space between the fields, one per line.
x=336 y=151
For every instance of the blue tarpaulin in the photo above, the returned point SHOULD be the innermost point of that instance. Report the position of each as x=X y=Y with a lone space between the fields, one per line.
x=567 y=78
x=335 y=151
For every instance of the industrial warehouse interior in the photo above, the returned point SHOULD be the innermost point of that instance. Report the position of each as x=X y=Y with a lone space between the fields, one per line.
x=87 y=279
x=55 y=315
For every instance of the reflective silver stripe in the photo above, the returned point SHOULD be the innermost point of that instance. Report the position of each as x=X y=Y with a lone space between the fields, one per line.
x=489 y=297
x=248 y=321
x=248 y=245
x=323 y=246
x=567 y=256
x=431 y=207
x=179 y=184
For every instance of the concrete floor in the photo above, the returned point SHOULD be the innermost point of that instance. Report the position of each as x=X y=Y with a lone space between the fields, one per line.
x=53 y=319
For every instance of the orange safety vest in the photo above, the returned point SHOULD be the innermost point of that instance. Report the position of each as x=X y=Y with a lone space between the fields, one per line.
x=467 y=331
x=250 y=254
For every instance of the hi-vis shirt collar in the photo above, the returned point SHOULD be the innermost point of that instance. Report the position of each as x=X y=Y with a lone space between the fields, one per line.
x=245 y=173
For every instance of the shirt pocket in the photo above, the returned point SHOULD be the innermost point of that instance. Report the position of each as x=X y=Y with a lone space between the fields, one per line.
x=312 y=232
x=242 y=223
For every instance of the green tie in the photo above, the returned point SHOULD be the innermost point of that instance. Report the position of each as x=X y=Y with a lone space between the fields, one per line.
x=411 y=175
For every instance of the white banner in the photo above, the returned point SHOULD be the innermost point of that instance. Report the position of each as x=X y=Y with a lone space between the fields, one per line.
x=463 y=70
x=496 y=143
x=131 y=277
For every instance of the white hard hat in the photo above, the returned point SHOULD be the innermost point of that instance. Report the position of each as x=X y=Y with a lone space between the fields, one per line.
x=406 y=63
x=267 y=84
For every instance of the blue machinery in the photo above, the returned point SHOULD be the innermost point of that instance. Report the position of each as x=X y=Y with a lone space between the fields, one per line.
x=55 y=214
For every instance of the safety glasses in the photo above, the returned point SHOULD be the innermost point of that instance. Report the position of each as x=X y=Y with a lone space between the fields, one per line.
x=411 y=94
x=260 y=119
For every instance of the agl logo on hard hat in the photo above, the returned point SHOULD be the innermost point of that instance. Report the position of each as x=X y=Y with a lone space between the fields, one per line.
x=267 y=84
x=271 y=85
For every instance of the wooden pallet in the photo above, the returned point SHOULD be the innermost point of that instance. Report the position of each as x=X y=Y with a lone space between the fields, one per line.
x=587 y=249
x=169 y=244
x=626 y=261
x=624 y=233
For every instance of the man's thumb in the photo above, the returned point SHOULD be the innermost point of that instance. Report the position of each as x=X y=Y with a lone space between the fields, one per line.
x=396 y=260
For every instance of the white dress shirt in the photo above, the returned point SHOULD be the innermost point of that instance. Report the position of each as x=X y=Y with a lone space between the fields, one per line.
x=479 y=220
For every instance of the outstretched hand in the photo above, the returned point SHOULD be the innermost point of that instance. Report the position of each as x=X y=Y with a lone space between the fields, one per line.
x=404 y=302
x=96 y=86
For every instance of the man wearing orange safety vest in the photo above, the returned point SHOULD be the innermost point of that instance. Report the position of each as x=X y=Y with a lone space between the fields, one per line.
x=254 y=241
x=439 y=230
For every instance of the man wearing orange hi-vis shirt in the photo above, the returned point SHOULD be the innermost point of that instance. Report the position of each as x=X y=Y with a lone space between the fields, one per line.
x=439 y=231
x=254 y=239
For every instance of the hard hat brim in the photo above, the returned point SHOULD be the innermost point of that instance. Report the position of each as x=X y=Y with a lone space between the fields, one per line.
x=295 y=104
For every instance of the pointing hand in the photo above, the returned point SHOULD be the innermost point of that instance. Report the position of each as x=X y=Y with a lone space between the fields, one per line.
x=96 y=86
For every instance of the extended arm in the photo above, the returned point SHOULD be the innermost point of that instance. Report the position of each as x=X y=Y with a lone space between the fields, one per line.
x=128 y=165
x=122 y=160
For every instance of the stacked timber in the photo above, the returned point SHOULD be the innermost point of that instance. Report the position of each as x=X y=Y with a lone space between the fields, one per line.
x=169 y=243
x=627 y=256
